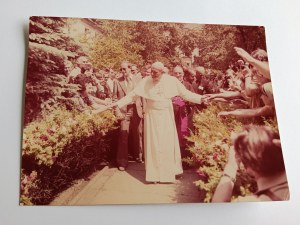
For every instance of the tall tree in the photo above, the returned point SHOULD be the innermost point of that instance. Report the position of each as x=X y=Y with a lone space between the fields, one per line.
x=115 y=44
x=49 y=47
x=253 y=37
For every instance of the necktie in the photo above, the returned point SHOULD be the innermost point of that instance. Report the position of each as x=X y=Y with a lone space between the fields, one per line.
x=129 y=84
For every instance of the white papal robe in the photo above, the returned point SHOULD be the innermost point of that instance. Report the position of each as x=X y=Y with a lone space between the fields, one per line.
x=162 y=151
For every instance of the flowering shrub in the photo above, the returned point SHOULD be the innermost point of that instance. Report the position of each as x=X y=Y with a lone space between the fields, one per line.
x=60 y=147
x=27 y=182
x=210 y=143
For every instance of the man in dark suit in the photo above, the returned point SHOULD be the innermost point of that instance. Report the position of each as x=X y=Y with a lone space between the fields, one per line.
x=130 y=131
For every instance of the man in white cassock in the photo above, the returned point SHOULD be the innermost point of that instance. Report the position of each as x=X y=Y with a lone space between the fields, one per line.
x=162 y=151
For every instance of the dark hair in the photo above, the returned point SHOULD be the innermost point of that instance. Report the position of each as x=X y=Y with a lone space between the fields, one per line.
x=260 y=54
x=256 y=149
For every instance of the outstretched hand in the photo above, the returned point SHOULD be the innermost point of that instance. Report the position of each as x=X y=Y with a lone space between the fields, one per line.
x=238 y=101
x=102 y=108
x=223 y=114
x=242 y=53
x=207 y=98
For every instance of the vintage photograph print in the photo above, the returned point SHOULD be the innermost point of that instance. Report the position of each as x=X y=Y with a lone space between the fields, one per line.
x=135 y=112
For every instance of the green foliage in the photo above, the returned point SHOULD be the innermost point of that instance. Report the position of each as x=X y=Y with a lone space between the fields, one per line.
x=140 y=42
x=210 y=144
x=216 y=46
x=115 y=44
x=49 y=47
x=61 y=147
x=271 y=122
x=252 y=37
x=27 y=183
x=110 y=52
x=216 y=43
x=149 y=35
x=46 y=138
x=167 y=42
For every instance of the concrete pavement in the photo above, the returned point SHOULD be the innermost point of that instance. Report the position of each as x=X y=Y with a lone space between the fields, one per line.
x=111 y=186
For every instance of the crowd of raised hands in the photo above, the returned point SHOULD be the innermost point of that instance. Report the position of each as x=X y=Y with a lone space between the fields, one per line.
x=249 y=90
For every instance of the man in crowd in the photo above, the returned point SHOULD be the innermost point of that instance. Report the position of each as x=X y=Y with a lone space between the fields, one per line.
x=190 y=77
x=130 y=131
x=204 y=80
x=182 y=111
x=82 y=64
x=135 y=72
x=146 y=71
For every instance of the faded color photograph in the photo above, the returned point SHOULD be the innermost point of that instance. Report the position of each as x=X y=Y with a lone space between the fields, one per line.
x=134 y=112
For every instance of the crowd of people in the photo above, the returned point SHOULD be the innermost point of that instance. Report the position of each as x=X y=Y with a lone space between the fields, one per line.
x=155 y=106
x=249 y=87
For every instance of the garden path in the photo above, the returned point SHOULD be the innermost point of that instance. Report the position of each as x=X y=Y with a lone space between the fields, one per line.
x=111 y=186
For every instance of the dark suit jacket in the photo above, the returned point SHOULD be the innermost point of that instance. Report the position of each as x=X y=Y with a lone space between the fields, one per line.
x=120 y=90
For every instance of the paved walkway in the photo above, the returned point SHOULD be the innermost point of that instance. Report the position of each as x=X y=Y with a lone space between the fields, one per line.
x=111 y=186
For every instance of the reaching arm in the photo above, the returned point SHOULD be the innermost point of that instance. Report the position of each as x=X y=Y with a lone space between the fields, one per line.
x=224 y=189
x=129 y=98
x=97 y=100
x=225 y=95
x=249 y=113
x=219 y=100
x=103 y=108
x=188 y=95
x=239 y=102
x=262 y=67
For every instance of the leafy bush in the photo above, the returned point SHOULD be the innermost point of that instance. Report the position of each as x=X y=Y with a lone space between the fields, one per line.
x=60 y=147
x=210 y=143
x=27 y=183
x=49 y=49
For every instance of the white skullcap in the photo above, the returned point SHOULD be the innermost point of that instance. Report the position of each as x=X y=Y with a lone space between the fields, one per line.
x=158 y=65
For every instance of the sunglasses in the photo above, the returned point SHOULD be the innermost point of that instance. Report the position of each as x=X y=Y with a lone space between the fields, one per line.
x=122 y=69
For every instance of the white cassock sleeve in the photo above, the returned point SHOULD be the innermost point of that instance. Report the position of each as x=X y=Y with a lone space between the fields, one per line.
x=186 y=94
x=128 y=99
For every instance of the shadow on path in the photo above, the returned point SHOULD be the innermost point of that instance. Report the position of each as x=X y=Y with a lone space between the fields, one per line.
x=111 y=186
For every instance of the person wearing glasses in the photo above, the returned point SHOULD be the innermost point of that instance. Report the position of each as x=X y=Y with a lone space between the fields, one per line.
x=129 y=138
